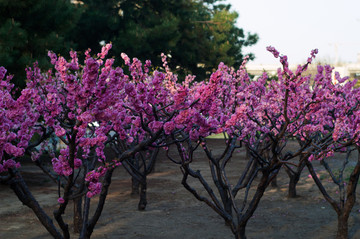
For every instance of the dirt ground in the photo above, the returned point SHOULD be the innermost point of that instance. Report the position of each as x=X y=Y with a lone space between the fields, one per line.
x=172 y=212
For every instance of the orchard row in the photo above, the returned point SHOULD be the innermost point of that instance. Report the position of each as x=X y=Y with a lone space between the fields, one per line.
x=137 y=109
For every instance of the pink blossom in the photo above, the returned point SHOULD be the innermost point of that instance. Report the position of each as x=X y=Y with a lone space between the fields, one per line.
x=104 y=51
x=61 y=200
x=169 y=127
x=317 y=175
x=273 y=51
x=180 y=95
x=77 y=163
x=75 y=96
x=125 y=58
x=59 y=131
x=155 y=126
x=13 y=150
x=94 y=188
x=61 y=166
x=2 y=72
x=9 y=164
x=53 y=57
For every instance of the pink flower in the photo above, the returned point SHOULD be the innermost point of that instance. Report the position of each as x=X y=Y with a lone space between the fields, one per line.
x=125 y=58
x=77 y=163
x=61 y=166
x=155 y=126
x=2 y=72
x=180 y=96
x=61 y=200
x=10 y=164
x=104 y=51
x=273 y=51
x=53 y=57
x=169 y=127
x=13 y=150
x=71 y=115
x=59 y=131
x=94 y=189
x=317 y=175
x=94 y=175
x=130 y=89
x=314 y=52
x=312 y=157
x=2 y=169
x=182 y=117
x=194 y=135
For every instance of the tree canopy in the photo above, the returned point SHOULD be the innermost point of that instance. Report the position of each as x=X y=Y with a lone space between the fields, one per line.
x=28 y=29
x=196 y=34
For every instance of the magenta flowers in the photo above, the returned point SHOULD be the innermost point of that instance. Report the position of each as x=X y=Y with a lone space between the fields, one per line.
x=74 y=112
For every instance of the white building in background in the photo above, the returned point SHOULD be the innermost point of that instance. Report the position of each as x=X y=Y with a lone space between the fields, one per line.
x=348 y=69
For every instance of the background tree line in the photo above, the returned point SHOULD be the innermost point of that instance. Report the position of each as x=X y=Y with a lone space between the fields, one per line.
x=198 y=34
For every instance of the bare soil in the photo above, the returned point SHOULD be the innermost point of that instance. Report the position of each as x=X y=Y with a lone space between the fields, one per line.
x=172 y=212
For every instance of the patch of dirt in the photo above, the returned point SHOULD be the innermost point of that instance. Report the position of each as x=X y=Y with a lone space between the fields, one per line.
x=173 y=212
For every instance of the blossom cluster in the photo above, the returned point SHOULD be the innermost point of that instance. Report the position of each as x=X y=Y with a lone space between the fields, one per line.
x=88 y=106
x=17 y=120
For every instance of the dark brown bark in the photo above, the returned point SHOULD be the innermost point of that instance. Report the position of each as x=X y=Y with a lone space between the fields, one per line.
x=343 y=217
x=262 y=185
x=18 y=185
x=143 y=200
x=294 y=176
x=342 y=230
x=83 y=233
x=77 y=214
x=234 y=216
x=135 y=186
x=274 y=183
x=139 y=167
x=68 y=187
x=240 y=233
x=343 y=209
x=292 y=187
x=58 y=217
x=100 y=206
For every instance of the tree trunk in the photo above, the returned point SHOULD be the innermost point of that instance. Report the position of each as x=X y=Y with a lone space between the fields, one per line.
x=135 y=184
x=88 y=227
x=18 y=185
x=274 y=183
x=294 y=179
x=240 y=233
x=77 y=214
x=261 y=187
x=342 y=231
x=228 y=208
x=294 y=176
x=143 y=200
x=228 y=205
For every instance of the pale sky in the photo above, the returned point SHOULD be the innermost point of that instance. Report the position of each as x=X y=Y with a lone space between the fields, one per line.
x=296 y=27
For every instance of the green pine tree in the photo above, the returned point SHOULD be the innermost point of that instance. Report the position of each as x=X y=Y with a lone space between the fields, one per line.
x=28 y=29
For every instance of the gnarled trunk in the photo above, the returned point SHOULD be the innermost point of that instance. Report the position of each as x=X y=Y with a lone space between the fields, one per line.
x=77 y=214
x=274 y=183
x=294 y=179
x=143 y=200
x=342 y=231
x=18 y=185
x=135 y=185
x=240 y=233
